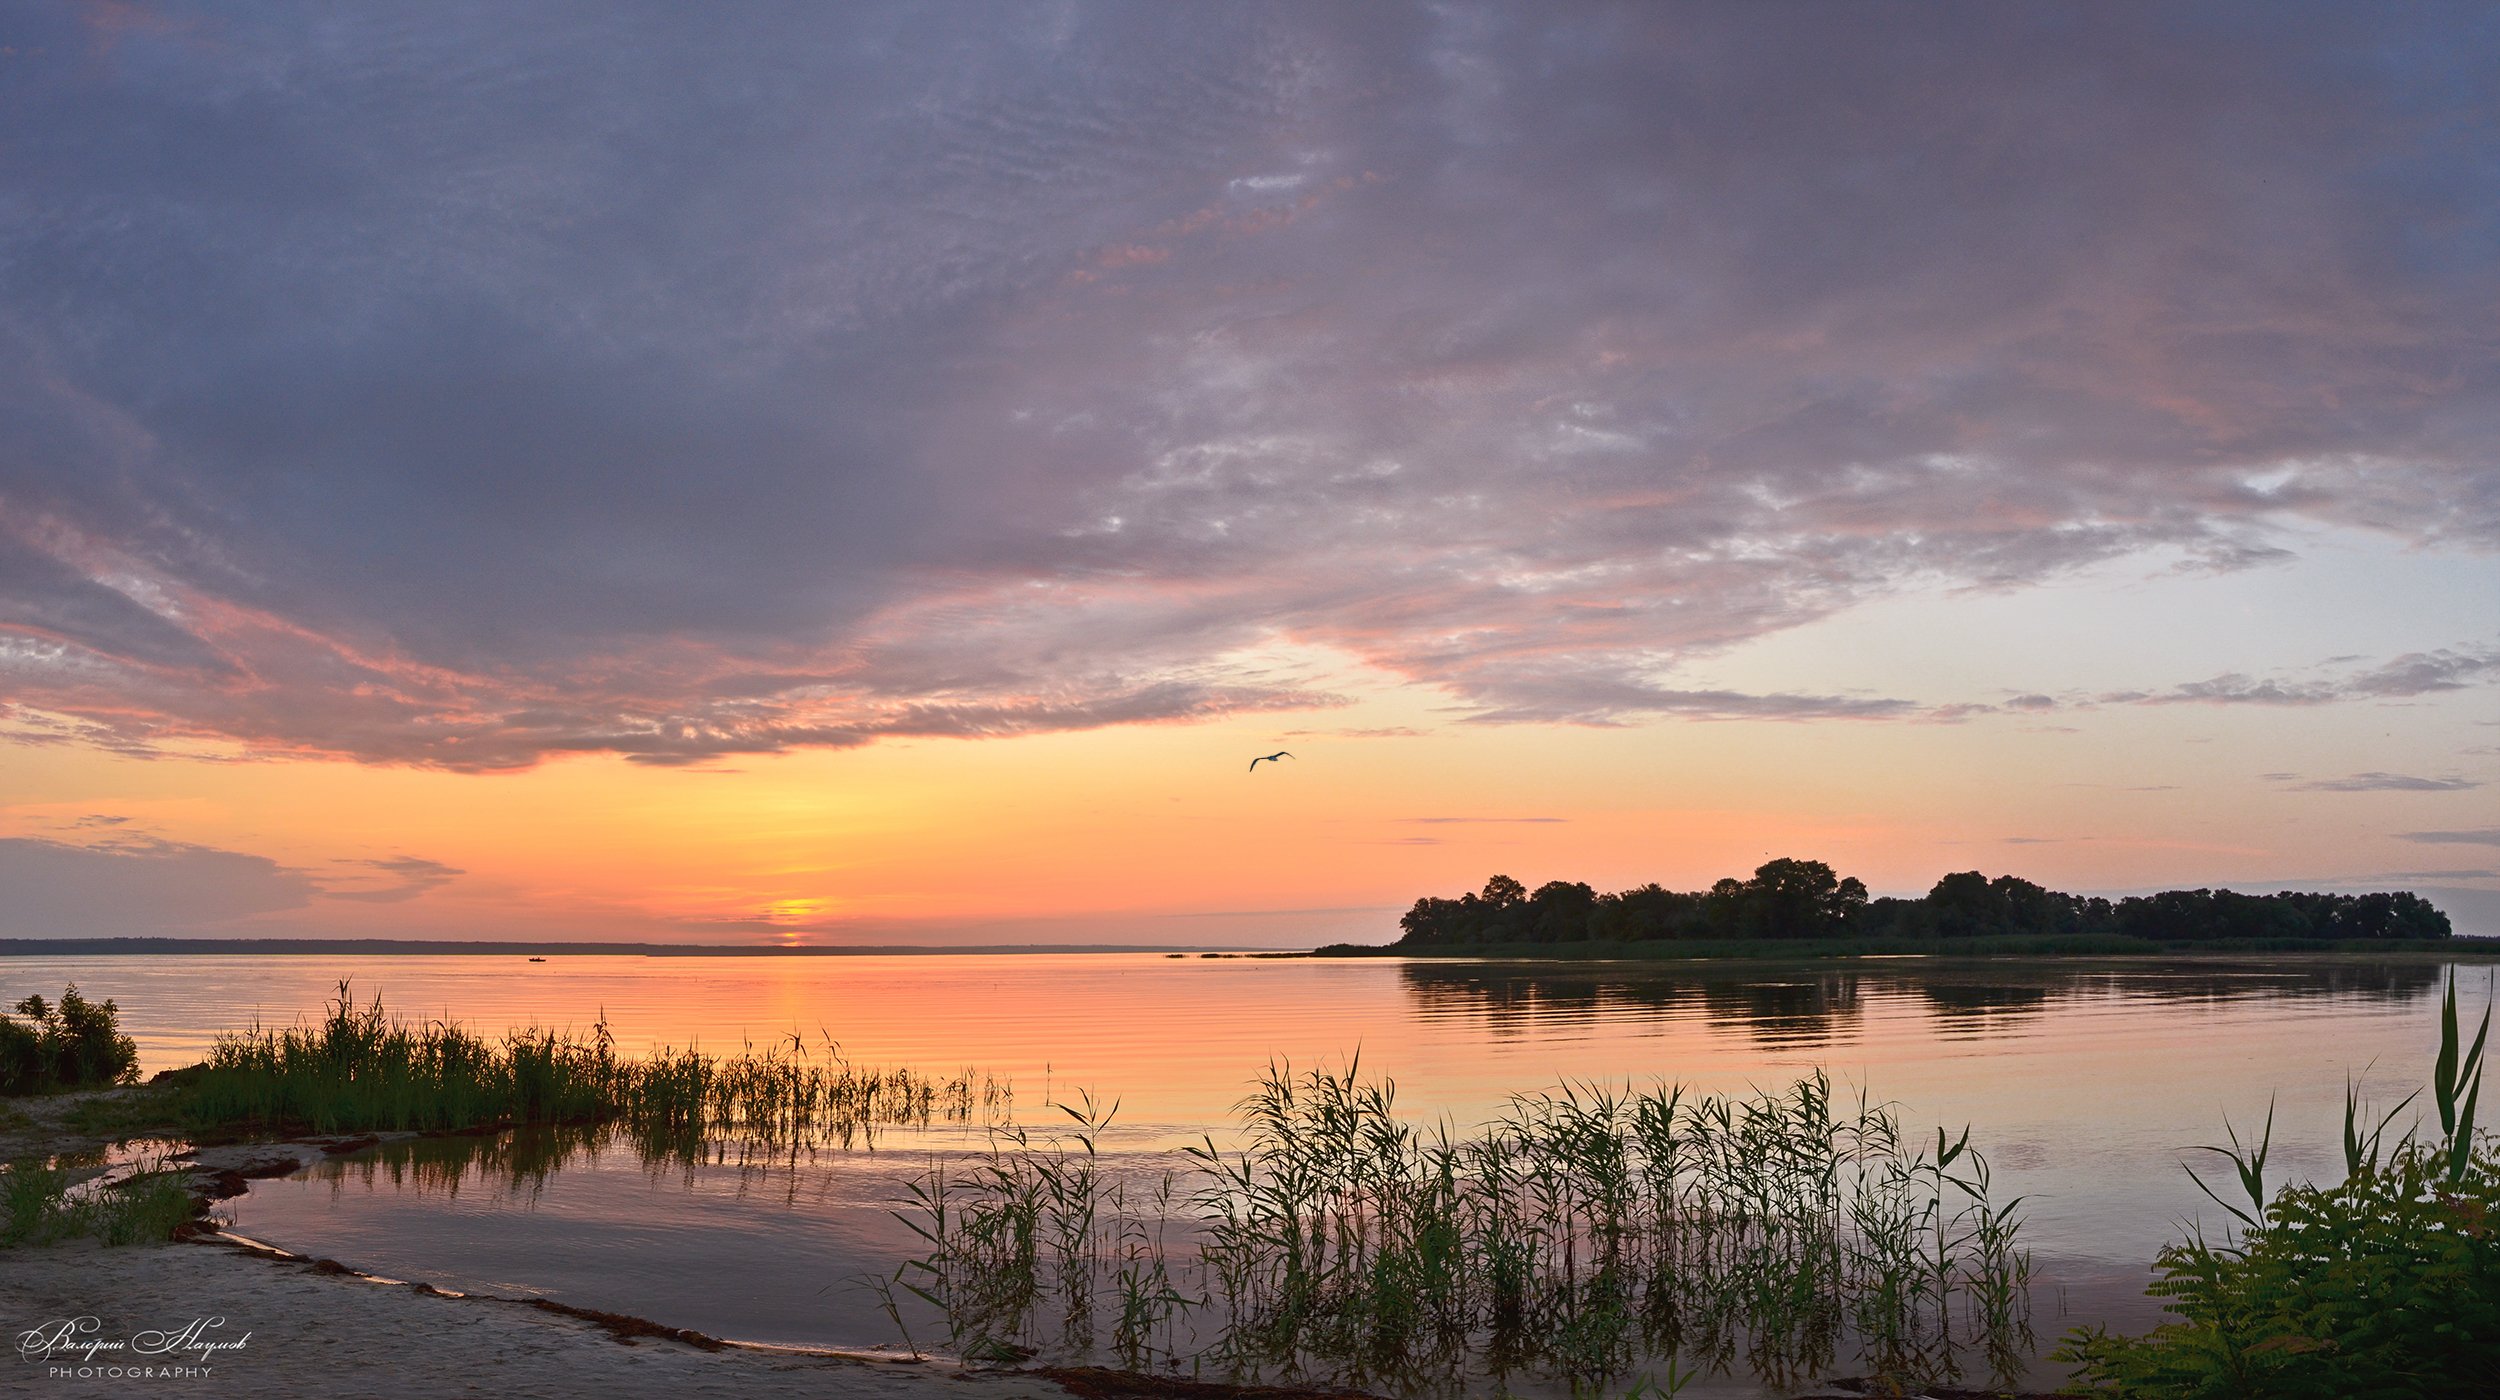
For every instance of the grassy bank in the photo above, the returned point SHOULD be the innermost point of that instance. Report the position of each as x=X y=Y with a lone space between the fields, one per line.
x=43 y=1203
x=2008 y=946
x=360 y=1070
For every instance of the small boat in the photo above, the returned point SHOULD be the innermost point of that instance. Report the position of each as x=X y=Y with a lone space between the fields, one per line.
x=538 y=960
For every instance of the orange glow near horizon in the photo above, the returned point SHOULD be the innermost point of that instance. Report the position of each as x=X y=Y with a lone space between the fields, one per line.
x=1155 y=833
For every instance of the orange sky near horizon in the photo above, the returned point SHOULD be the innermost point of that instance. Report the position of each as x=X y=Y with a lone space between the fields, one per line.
x=1156 y=833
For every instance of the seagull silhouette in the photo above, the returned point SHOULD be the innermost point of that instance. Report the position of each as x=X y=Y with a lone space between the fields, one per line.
x=1267 y=758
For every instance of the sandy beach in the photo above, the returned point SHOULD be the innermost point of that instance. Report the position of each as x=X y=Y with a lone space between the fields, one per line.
x=295 y=1329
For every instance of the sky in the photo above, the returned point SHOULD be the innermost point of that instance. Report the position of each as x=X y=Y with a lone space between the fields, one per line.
x=875 y=474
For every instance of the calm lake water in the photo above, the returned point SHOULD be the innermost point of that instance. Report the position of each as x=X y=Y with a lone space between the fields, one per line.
x=2081 y=1082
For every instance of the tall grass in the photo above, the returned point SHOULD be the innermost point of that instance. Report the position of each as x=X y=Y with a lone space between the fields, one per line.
x=361 y=1070
x=1589 y=1233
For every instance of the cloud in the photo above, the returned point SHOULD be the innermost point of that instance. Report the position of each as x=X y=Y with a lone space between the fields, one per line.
x=409 y=877
x=1591 y=695
x=755 y=925
x=464 y=388
x=137 y=886
x=2426 y=673
x=2377 y=782
x=2404 y=677
x=2485 y=836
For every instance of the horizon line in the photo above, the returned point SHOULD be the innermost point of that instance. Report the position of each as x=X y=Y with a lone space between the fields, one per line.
x=163 y=943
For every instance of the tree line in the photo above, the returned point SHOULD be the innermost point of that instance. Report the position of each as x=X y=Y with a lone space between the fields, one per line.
x=1789 y=899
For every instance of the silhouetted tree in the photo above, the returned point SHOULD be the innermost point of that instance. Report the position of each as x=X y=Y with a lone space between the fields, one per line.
x=1649 y=914
x=2178 y=916
x=1561 y=911
x=1790 y=898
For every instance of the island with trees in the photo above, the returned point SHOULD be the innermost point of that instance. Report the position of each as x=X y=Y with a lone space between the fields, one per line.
x=1794 y=905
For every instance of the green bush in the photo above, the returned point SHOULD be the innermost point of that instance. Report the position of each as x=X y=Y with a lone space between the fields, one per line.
x=21 y=1058
x=74 y=1045
x=2386 y=1284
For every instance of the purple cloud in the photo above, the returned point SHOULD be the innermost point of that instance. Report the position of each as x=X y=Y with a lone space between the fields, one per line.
x=408 y=876
x=128 y=884
x=2484 y=836
x=2407 y=676
x=464 y=388
x=2380 y=782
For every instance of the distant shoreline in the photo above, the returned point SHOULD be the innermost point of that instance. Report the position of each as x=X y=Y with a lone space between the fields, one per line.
x=333 y=947
x=2047 y=947
x=2052 y=947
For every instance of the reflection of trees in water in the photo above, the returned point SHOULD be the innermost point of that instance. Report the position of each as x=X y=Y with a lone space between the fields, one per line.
x=1969 y=1005
x=1803 y=1011
x=1513 y=1000
x=1510 y=1000
x=1784 y=1006
x=2292 y=981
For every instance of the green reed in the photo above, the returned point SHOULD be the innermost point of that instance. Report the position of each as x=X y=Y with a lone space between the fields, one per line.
x=361 y=1070
x=41 y=1202
x=1585 y=1233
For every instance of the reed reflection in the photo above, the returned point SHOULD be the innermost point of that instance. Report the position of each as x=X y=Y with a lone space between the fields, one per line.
x=518 y=1166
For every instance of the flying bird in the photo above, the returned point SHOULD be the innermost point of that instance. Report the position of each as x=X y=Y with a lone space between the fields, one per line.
x=1267 y=758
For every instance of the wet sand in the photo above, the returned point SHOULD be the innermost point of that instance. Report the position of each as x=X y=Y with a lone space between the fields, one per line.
x=310 y=1332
